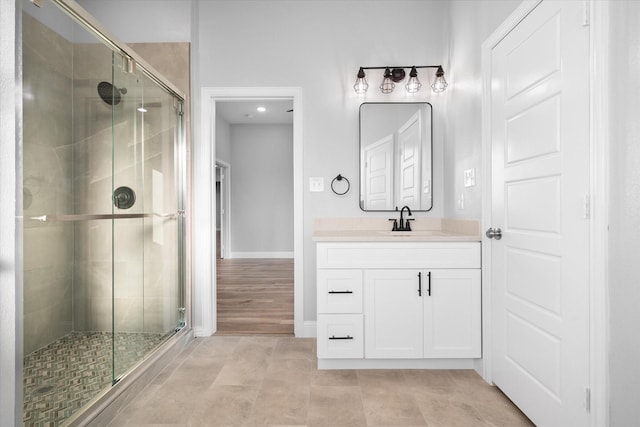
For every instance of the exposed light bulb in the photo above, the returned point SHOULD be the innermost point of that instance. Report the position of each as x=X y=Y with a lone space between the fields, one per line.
x=413 y=85
x=387 y=84
x=361 y=84
x=439 y=83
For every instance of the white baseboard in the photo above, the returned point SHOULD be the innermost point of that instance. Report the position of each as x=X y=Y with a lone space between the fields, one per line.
x=200 y=332
x=308 y=329
x=395 y=364
x=261 y=255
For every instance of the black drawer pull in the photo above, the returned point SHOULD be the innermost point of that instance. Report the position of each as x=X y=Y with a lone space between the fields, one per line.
x=333 y=337
x=340 y=292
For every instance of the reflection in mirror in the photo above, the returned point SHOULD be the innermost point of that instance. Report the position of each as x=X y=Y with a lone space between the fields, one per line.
x=395 y=156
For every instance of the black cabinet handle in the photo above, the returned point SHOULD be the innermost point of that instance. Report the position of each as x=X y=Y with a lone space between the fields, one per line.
x=333 y=337
x=340 y=292
x=429 y=286
x=420 y=284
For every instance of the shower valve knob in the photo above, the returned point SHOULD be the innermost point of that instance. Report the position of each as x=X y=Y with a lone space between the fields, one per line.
x=124 y=197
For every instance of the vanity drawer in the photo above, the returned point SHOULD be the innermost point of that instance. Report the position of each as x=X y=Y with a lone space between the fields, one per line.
x=340 y=336
x=398 y=255
x=339 y=291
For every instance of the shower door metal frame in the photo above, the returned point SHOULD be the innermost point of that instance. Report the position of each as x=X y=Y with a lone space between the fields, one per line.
x=83 y=17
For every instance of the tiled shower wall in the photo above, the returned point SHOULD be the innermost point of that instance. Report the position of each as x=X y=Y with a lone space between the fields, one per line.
x=48 y=187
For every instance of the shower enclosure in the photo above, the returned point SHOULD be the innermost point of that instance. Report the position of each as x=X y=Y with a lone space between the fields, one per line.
x=103 y=177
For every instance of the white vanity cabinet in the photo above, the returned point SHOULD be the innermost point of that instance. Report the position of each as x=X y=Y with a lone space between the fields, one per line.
x=398 y=301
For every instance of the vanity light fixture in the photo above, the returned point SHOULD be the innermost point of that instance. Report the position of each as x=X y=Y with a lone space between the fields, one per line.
x=395 y=74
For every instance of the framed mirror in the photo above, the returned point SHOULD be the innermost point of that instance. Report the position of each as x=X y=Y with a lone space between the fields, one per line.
x=395 y=156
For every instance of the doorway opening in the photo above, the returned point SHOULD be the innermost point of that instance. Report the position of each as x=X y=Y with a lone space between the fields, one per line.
x=254 y=216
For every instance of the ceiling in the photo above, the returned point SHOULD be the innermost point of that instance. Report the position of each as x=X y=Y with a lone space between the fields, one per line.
x=245 y=112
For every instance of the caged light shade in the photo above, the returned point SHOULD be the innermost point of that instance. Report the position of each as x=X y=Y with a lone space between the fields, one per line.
x=413 y=85
x=439 y=83
x=361 y=84
x=387 y=84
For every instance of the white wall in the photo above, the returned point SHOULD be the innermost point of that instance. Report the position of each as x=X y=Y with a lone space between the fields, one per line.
x=319 y=45
x=261 y=190
x=223 y=139
x=624 y=214
x=143 y=21
x=470 y=23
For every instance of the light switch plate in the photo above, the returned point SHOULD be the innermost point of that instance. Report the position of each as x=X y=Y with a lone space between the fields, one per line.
x=470 y=177
x=316 y=184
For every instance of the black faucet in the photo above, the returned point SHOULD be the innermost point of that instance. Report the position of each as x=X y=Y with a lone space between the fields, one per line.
x=404 y=223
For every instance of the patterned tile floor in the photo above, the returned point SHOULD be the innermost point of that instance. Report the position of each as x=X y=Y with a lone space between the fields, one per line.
x=62 y=377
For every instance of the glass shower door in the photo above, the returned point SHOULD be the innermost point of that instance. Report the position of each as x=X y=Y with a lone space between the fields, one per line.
x=128 y=208
x=145 y=220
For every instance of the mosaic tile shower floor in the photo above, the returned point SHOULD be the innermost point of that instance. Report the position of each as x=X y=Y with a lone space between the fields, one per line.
x=62 y=377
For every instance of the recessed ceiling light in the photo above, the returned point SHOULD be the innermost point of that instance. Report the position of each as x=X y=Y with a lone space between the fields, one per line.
x=261 y=109
x=142 y=109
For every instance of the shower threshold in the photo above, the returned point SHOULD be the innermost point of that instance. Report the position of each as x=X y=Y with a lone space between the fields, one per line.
x=62 y=377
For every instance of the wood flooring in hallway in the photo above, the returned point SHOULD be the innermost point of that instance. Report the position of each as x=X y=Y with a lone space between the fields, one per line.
x=255 y=296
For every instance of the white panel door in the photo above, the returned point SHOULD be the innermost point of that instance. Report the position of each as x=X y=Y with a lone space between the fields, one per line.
x=409 y=142
x=392 y=314
x=452 y=319
x=378 y=178
x=540 y=178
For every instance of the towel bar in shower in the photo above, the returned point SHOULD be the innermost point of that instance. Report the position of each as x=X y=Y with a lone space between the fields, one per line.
x=92 y=217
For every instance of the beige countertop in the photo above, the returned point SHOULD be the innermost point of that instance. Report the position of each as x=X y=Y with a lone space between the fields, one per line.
x=377 y=230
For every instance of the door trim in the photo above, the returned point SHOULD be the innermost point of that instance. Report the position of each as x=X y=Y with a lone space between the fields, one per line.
x=225 y=201
x=204 y=269
x=599 y=176
x=600 y=172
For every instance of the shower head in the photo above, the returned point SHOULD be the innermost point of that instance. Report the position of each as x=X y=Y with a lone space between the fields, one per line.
x=110 y=94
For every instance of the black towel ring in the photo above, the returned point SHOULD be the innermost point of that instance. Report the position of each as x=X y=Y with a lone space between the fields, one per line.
x=340 y=178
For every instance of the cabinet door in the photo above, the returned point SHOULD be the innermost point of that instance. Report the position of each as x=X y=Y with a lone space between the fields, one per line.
x=393 y=314
x=452 y=321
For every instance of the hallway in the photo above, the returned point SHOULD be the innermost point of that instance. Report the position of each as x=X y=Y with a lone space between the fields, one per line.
x=255 y=296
